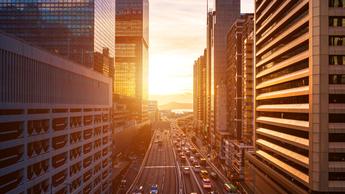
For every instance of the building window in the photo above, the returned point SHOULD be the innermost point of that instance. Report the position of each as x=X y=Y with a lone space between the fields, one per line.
x=337 y=3
x=337 y=40
x=337 y=98
x=336 y=137
x=336 y=156
x=336 y=176
x=336 y=118
x=337 y=21
x=337 y=79
x=337 y=59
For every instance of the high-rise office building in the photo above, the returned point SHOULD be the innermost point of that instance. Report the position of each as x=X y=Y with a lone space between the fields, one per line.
x=55 y=123
x=131 y=44
x=226 y=12
x=209 y=125
x=219 y=22
x=239 y=84
x=199 y=94
x=73 y=29
x=299 y=97
x=236 y=63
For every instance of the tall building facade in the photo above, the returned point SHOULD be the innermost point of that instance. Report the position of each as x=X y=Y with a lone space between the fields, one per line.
x=226 y=12
x=55 y=123
x=199 y=93
x=209 y=127
x=131 y=44
x=299 y=97
x=239 y=95
x=73 y=29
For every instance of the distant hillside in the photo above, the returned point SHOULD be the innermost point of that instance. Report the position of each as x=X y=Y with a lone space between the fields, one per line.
x=176 y=105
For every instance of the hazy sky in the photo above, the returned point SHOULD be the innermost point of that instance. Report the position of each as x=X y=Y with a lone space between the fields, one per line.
x=177 y=38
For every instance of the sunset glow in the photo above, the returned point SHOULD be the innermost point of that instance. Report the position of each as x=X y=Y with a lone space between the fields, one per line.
x=177 y=38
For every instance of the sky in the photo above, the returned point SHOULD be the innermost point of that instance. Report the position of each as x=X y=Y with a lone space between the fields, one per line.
x=177 y=38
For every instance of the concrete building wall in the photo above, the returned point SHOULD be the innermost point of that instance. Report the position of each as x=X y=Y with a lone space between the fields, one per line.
x=299 y=59
x=55 y=123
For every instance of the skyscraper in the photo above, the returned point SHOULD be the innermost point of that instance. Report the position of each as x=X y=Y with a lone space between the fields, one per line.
x=73 y=29
x=132 y=43
x=199 y=86
x=299 y=97
x=55 y=123
x=226 y=12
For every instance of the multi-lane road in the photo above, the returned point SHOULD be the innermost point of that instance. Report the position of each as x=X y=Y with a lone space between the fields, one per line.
x=164 y=167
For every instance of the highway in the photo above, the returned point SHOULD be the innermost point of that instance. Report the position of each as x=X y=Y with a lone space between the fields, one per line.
x=163 y=166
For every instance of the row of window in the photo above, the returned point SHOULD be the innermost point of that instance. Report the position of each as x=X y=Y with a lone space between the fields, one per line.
x=337 y=98
x=337 y=40
x=337 y=79
x=337 y=59
x=337 y=21
x=336 y=3
x=336 y=118
x=336 y=137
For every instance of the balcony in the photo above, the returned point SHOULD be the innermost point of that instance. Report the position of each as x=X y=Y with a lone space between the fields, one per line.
x=284 y=167
x=75 y=137
x=59 y=178
x=88 y=134
x=38 y=127
x=289 y=123
x=294 y=108
x=59 y=160
x=286 y=153
x=38 y=147
x=41 y=187
x=11 y=181
x=37 y=169
x=299 y=91
x=293 y=140
x=87 y=120
x=11 y=131
x=59 y=142
x=87 y=148
x=10 y=156
x=75 y=122
x=59 y=124
x=87 y=176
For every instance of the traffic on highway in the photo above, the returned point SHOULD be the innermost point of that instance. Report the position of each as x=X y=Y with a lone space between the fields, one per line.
x=174 y=165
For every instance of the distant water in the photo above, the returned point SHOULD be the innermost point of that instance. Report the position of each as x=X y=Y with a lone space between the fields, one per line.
x=181 y=111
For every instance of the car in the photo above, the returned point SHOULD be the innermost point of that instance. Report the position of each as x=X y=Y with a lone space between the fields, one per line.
x=123 y=183
x=196 y=168
x=154 y=189
x=139 y=190
x=186 y=170
x=202 y=161
x=206 y=183
x=204 y=174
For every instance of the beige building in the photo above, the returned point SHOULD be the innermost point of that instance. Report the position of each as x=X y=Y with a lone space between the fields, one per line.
x=299 y=97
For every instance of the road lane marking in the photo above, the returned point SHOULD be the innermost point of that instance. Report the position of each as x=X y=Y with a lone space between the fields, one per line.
x=159 y=167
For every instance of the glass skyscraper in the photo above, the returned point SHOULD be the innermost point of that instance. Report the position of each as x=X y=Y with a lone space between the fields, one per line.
x=74 y=29
x=131 y=44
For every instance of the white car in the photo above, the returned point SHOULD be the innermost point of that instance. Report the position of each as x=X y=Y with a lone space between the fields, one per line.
x=196 y=168
x=206 y=183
